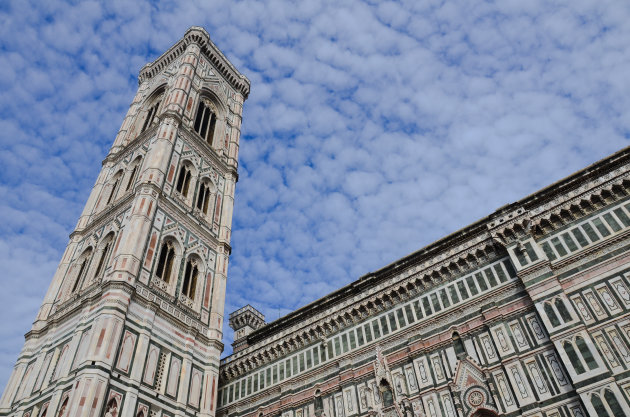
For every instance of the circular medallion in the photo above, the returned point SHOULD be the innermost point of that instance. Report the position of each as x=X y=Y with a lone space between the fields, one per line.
x=475 y=398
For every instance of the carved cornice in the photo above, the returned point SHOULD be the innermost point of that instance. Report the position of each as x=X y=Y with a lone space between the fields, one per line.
x=440 y=262
x=369 y=299
x=198 y=35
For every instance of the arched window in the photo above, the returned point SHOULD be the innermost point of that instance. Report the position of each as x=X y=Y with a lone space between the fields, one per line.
x=112 y=408
x=613 y=404
x=84 y=262
x=183 y=180
x=573 y=358
x=151 y=114
x=190 y=279
x=134 y=173
x=599 y=406
x=553 y=318
x=62 y=409
x=586 y=353
x=104 y=255
x=203 y=197
x=205 y=121
x=562 y=309
x=115 y=186
x=165 y=262
x=386 y=392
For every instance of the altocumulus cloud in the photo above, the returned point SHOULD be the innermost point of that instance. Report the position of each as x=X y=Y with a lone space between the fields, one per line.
x=372 y=129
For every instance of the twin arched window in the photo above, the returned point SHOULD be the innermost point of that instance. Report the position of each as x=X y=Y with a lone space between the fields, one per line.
x=115 y=186
x=190 y=279
x=151 y=115
x=558 y=315
x=183 y=180
x=84 y=262
x=165 y=262
x=183 y=185
x=584 y=359
x=104 y=255
x=203 y=197
x=134 y=173
x=611 y=408
x=205 y=121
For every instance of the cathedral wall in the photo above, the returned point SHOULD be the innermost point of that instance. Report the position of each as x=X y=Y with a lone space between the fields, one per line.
x=528 y=315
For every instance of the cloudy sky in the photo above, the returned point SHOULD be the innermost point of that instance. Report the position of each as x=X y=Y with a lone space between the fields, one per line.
x=372 y=128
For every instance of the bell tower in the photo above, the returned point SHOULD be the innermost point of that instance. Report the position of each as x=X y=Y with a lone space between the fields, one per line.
x=131 y=323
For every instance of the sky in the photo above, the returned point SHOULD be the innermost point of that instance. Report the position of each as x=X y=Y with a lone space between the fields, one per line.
x=372 y=128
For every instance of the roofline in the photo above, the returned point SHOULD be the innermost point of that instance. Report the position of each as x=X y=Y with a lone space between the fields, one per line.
x=480 y=226
x=199 y=36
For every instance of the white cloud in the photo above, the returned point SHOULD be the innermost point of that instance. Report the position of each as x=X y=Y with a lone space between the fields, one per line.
x=371 y=129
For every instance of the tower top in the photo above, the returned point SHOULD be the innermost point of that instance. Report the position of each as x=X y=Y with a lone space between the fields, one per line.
x=244 y=321
x=198 y=35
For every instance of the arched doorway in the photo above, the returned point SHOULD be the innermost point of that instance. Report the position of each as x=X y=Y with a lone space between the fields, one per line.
x=483 y=412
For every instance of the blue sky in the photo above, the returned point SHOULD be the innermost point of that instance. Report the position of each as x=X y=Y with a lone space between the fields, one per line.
x=372 y=128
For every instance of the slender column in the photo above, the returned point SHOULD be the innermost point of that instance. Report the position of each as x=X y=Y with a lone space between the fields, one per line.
x=235 y=131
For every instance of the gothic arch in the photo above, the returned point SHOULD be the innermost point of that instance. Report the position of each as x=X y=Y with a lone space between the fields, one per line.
x=206 y=192
x=103 y=253
x=166 y=266
x=484 y=412
x=192 y=280
x=210 y=118
x=147 y=114
x=80 y=269
x=63 y=408
x=133 y=172
x=186 y=179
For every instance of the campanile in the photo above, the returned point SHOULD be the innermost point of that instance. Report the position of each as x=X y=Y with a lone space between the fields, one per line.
x=131 y=323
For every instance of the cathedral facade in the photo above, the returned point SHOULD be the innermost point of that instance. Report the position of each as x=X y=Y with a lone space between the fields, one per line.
x=525 y=312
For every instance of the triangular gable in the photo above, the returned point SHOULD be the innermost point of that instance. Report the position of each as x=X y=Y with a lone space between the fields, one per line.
x=467 y=374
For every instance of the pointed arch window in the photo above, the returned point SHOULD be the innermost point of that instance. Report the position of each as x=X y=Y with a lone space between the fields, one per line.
x=115 y=186
x=183 y=180
x=134 y=173
x=205 y=121
x=551 y=314
x=585 y=352
x=613 y=404
x=84 y=262
x=203 y=197
x=190 y=278
x=102 y=260
x=151 y=115
x=562 y=309
x=573 y=358
x=62 y=409
x=165 y=262
x=597 y=404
